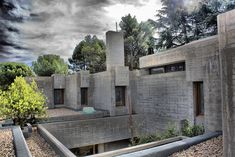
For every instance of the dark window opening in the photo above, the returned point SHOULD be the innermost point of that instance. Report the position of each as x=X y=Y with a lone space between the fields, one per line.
x=58 y=96
x=198 y=98
x=84 y=96
x=120 y=95
x=168 y=68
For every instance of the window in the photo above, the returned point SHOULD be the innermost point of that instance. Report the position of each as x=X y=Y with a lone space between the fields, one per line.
x=84 y=96
x=58 y=96
x=120 y=95
x=168 y=68
x=198 y=98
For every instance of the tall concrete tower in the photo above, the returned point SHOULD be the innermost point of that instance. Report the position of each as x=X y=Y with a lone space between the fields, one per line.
x=115 y=49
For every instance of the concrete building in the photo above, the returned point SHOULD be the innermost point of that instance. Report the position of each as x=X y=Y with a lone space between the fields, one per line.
x=194 y=82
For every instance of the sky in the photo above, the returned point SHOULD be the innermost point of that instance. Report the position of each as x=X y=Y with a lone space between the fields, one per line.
x=30 y=28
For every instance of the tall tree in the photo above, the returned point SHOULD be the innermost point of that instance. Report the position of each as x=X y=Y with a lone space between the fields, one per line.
x=89 y=54
x=10 y=70
x=179 y=23
x=138 y=38
x=47 y=65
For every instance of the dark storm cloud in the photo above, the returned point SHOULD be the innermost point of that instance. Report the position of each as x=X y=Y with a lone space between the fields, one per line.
x=30 y=28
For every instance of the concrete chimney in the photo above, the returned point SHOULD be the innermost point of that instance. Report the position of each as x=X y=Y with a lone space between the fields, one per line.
x=115 y=49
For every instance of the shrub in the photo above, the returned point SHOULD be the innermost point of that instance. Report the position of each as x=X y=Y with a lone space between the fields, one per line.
x=22 y=102
x=188 y=130
x=171 y=131
x=9 y=71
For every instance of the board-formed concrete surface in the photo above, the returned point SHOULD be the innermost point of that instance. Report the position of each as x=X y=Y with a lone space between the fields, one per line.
x=80 y=133
x=159 y=98
x=226 y=31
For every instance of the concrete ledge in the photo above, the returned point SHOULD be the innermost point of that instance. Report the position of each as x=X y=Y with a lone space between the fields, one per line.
x=138 y=147
x=59 y=148
x=168 y=149
x=21 y=147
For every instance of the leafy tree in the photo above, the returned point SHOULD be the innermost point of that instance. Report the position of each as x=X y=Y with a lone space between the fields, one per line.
x=22 y=102
x=177 y=23
x=47 y=65
x=89 y=54
x=9 y=71
x=138 y=39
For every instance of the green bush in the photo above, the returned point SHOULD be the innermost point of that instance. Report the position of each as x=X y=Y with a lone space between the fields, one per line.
x=171 y=131
x=190 y=131
x=22 y=102
x=9 y=71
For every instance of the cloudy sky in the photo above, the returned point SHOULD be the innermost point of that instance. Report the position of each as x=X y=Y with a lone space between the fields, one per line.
x=29 y=28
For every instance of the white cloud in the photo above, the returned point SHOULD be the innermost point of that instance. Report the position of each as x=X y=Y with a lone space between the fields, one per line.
x=58 y=25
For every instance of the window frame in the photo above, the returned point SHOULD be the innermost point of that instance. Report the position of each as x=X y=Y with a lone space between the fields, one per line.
x=198 y=93
x=60 y=94
x=84 y=90
x=122 y=90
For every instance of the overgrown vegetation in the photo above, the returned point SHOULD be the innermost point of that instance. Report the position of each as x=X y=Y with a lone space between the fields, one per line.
x=171 y=131
x=22 y=102
x=191 y=130
x=10 y=70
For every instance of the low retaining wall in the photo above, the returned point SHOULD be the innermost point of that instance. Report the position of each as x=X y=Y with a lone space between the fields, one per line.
x=59 y=148
x=168 y=149
x=21 y=147
x=138 y=147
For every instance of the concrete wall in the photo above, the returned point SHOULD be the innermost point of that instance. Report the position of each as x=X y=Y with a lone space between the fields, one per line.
x=100 y=90
x=94 y=131
x=72 y=92
x=226 y=32
x=164 y=98
x=46 y=84
x=202 y=64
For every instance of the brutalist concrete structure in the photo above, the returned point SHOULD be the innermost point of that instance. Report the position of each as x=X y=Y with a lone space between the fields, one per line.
x=194 y=82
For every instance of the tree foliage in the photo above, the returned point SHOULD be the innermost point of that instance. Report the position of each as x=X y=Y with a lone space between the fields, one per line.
x=138 y=39
x=47 y=65
x=182 y=21
x=10 y=70
x=89 y=54
x=22 y=102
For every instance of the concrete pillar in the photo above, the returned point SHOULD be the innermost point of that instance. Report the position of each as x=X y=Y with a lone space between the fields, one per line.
x=226 y=33
x=100 y=148
x=115 y=49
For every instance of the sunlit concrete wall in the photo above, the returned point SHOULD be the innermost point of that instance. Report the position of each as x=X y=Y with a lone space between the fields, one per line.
x=202 y=64
x=226 y=32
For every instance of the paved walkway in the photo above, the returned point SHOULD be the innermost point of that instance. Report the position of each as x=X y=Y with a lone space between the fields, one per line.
x=60 y=112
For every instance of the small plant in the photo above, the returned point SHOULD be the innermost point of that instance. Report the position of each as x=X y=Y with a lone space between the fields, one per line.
x=22 y=102
x=171 y=131
x=190 y=131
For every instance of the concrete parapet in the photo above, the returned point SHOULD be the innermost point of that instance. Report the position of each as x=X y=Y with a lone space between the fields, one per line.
x=59 y=148
x=168 y=149
x=21 y=147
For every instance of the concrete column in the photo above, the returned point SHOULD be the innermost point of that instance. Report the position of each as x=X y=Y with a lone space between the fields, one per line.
x=115 y=49
x=100 y=148
x=226 y=32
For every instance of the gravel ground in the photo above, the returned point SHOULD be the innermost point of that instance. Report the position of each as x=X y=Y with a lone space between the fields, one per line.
x=6 y=143
x=209 y=148
x=39 y=147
